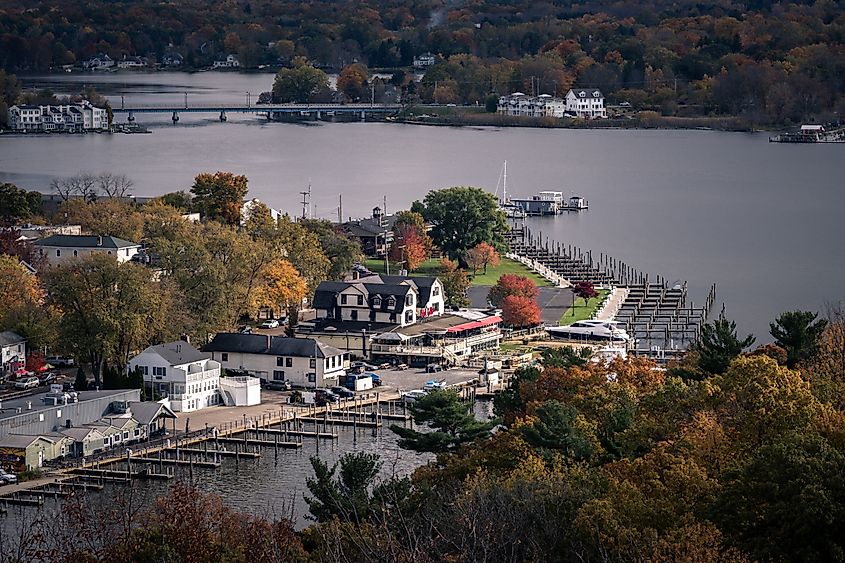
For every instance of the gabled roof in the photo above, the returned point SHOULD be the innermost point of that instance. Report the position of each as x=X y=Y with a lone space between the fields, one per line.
x=587 y=93
x=8 y=337
x=20 y=440
x=370 y=226
x=234 y=342
x=85 y=241
x=146 y=412
x=178 y=353
x=79 y=433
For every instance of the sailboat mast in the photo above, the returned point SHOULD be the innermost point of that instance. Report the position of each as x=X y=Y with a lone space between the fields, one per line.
x=505 y=184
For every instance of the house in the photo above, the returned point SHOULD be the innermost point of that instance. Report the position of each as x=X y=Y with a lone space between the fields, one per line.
x=380 y=299
x=132 y=62
x=172 y=59
x=152 y=417
x=305 y=362
x=374 y=234
x=33 y=232
x=20 y=452
x=84 y=440
x=249 y=205
x=12 y=352
x=100 y=61
x=231 y=61
x=73 y=118
x=424 y=60
x=190 y=379
x=58 y=249
x=519 y=104
x=586 y=104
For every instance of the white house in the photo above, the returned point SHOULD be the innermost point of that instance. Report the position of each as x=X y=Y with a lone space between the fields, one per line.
x=305 y=362
x=132 y=62
x=49 y=118
x=519 y=104
x=189 y=378
x=231 y=61
x=12 y=352
x=98 y=62
x=586 y=103
x=379 y=298
x=58 y=249
x=424 y=60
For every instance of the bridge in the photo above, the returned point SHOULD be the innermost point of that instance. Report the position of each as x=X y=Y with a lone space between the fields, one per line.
x=272 y=111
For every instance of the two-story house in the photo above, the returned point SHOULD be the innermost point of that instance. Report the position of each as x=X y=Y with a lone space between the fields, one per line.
x=305 y=362
x=188 y=377
x=58 y=249
x=12 y=352
x=587 y=103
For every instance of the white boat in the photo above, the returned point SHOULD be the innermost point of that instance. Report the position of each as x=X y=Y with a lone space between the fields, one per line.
x=590 y=330
x=511 y=210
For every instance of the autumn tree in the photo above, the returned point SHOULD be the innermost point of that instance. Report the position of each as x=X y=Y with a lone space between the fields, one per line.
x=798 y=333
x=105 y=217
x=285 y=288
x=520 y=312
x=515 y=285
x=299 y=83
x=584 y=290
x=22 y=305
x=219 y=196
x=455 y=283
x=352 y=81
x=481 y=256
x=409 y=248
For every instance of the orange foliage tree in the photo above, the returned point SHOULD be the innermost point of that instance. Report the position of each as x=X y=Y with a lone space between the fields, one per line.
x=481 y=256
x=520 y=312
x=512 y=284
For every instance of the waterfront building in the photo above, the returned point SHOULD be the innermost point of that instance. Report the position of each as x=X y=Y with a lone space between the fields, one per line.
x=100 y=61
x=12 y=352
x=188 y=378
x=19 y=452
x=172 y=59
x=374 y=234
x=424 y=60
x=231 y=61
x=585 y=103
x=519 y=104
x=305 y=362
x=71 y=118
x=58 y=249
x=132 y=62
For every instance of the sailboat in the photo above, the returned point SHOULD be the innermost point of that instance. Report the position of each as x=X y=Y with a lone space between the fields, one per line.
x=511 y=210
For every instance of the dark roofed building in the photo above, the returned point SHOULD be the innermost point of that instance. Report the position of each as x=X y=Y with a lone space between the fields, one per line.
x=374 y=234
x=57 y=249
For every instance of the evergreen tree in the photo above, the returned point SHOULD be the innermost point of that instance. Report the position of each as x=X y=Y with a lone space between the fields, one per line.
x=136 y=381
x=719 y=344
x=798 y=333
x=347 y=495
x=81 y=381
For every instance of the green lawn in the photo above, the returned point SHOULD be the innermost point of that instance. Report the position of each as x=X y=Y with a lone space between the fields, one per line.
x=430 y=268
x=581 y=312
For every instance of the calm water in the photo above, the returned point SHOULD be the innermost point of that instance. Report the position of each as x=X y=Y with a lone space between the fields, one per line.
x=758 y=219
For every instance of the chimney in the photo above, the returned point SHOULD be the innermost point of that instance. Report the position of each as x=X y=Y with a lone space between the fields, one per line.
x=356 y=275
x=99 y=241
x=269 y=341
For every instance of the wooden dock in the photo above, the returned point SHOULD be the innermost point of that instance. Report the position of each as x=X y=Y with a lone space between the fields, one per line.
x=263 y=443
x=124 y=475
x=214 y=452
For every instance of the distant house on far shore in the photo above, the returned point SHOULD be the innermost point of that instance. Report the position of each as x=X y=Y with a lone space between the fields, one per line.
x=231 y=61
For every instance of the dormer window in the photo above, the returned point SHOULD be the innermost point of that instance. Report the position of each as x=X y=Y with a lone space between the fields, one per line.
x=377 y=301
x=596 y=94
x=391 y=301
x=582 y=94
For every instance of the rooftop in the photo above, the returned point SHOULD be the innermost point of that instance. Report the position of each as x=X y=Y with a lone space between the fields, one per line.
x=8 y=337
x=85 y=241
x=278 y=345
x=9 y=408
x=178 y=353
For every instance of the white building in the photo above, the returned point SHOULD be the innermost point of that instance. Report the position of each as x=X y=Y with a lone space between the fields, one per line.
x=132 y=62
x=58 y=249
x=519 y=104
x=12 y=352
x=380 y=298
x=424 y=60
x=586 y=104
x=249 y=205
x=231 y=61
x=98 y=62
x=72 y=118
x=305 y=362
x=189 y=378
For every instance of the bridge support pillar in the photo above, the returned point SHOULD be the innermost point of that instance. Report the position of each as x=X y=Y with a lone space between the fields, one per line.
x=222 y=116
x=363 y=115
x=319 y=115
x=131 y=117
x=175 y=117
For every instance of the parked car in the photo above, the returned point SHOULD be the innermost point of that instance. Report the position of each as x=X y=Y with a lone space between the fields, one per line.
x=385 y=365
x=433 y=385
x=377 y=382
x=27 y=383
x=322 y=397
x=7 y=478
x=433 y=368
x=401 y=366
x=47 y=378
x=68 y=386
x=270 y=323
x=276 y=385
x=413 y=395
x=60 y=361
x=246 y=329
x=342 y=392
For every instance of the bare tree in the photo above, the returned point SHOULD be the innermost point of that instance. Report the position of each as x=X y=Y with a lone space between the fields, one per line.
x=84 y=185
x=62 y=187
x=114 y=185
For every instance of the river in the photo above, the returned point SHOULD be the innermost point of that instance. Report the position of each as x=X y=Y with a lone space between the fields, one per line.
x=758 y=219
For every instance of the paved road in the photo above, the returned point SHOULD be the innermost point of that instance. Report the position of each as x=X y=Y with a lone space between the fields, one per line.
x=553 y=301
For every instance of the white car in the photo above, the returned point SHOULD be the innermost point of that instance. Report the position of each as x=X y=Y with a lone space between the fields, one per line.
x=7 y=478
x=27 y=383
x=270 y=323
x=413 y=395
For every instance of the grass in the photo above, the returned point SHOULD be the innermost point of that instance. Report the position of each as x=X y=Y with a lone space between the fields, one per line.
x=431 y=267
x=580 y=311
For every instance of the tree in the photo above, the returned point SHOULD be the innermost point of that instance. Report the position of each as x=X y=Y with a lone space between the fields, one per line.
x=719 y=344
x=299 y=83
x=352 y=81
x=81 y=381
x=491 y=103
x=181 y=200
x=520 y=312
x=285 y=288
x=512 y=284
x=462 y=217
x=341 y=251
x=482 y=255
x=346 y=496
x=557 y=426
x=798 y=333
x=451 y=422
x=219 y=196
x=106 y=217
x=584 y=290
x=455 y=283
x=409 y=247
x=17 y=204
x=83 y=185
x=566 y=357
x=114 y=185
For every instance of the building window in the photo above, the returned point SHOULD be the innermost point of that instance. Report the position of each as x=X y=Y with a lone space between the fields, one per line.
x=393 y=317
x=159 y=371
x=360 y=300
x=409 y=299
x=224 y=357
x=58 y=252
x=343 y=300
x=312 y=377
x=312 y=363
x=391 y=302
x=409 y=317
x=377 y=301
x=280 y=361
x=145 y=370
x=436 y=291
x=354 y=315
x=76 y=253
x=288 y=362
x=278 y=375
x=58 y=413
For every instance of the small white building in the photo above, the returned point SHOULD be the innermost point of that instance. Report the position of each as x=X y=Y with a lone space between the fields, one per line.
x=190 y=379
x=12 y=352
x=72 y=118
x=100 y=61
x=58 y=249
x=305 y=362
x=231 y=61
x=519 y=104
x=424 y=60
x=585 y=103
x=129 y=63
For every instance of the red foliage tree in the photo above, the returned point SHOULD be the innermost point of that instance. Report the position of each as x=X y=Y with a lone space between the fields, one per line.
x=481 y=256
x=409 y=247
x=512 y=284
x=35 y=362
x=520 y=312
x=585 y=290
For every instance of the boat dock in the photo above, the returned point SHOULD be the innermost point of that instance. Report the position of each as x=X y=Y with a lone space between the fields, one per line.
x=812 y=134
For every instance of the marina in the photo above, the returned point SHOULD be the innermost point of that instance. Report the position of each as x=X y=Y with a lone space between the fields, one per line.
x=834 y=133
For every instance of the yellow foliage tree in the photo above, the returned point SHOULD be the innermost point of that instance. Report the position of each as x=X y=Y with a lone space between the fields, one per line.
x=285 y=288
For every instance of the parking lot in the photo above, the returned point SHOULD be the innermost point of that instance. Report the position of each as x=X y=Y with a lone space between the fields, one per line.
x=415 y=378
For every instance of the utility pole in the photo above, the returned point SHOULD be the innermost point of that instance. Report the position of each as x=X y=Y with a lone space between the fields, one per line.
x=306 y=202
x=340 y=209
x=372 y=93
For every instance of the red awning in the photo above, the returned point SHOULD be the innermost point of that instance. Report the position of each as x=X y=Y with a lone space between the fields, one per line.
x=475 y=324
